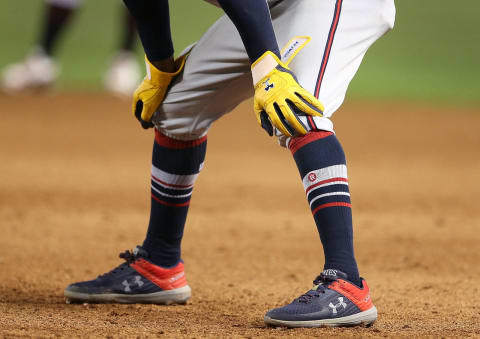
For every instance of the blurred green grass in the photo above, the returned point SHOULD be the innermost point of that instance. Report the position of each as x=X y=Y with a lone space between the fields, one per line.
x=432 y=54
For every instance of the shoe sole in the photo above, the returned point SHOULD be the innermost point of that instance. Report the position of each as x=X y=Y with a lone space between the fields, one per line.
x=176 y=296
x=365 y=318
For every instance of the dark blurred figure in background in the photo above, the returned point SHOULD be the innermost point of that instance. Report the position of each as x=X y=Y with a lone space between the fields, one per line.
x=39 y=69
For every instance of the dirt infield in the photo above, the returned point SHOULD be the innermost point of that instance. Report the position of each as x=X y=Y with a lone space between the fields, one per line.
x=74 y=192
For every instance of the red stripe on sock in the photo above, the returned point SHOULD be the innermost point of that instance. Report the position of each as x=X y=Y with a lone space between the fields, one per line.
x=331 y=204
x=168 y=142
x=324 y=182
x=298 y=142
x=171 y=185
x=169 y=204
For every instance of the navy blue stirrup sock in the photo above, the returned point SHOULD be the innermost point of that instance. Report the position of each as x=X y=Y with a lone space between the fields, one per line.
x=322 y=166
x=175 y=167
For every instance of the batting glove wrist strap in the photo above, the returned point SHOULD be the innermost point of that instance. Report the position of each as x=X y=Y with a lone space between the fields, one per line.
x=151 y=92
x=279 y=99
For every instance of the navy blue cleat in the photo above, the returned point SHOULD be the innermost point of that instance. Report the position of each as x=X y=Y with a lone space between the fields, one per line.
x=333 y=301
x=137 y=280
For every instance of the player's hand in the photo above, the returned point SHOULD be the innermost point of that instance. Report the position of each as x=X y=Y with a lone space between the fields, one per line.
x=279 y=99
x=151 y=92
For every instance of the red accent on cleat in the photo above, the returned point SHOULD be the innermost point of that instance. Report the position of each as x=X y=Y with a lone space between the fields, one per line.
x=165 y=278
x=359 y=296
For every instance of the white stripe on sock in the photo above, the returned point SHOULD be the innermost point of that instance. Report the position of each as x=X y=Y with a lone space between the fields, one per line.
x=171 y=195
x=327 y=184
x=186 y=181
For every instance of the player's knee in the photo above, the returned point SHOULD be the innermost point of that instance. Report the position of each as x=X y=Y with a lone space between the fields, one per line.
x=182 y=124
x=314 y=124
x=182 y=135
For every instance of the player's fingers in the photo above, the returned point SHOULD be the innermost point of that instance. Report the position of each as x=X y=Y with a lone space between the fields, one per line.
x=265 y=123
x=147 y=124
x=290 y=121
x=293 y=118
x=278 y=119
x=147 y=110
x=308 y=103
x=138 y=108
x=139 y=112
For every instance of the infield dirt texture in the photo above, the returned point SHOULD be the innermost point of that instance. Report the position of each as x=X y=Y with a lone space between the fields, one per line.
x=74 y=192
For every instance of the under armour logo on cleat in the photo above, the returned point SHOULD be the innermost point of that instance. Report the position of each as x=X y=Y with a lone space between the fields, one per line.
x=340 y=303
x=137 y=280
x=127 y=286
x=268 y=85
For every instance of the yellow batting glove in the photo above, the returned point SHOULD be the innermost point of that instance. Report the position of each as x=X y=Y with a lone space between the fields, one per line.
x=151 y=92
x=279 y=99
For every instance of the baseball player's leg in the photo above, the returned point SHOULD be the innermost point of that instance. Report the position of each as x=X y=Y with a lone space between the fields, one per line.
x=210 y=85
x=325 y=67
x=123 y=74
x=39 y=69
x=341 y=34
x=128 y=37
x=342 y=31
x=215 y=79
x=154 y=272
x=57 y=16
x=175 y=167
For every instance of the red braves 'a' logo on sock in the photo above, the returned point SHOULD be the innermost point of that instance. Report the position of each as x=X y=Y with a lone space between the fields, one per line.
x=312 y=177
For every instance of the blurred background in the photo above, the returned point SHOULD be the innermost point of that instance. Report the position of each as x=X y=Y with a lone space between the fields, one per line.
x=432 y=55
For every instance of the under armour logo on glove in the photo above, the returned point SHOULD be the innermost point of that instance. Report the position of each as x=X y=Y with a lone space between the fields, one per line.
x=138 y=281
x=268 y=85
x=340 y=303
x=280 y=102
